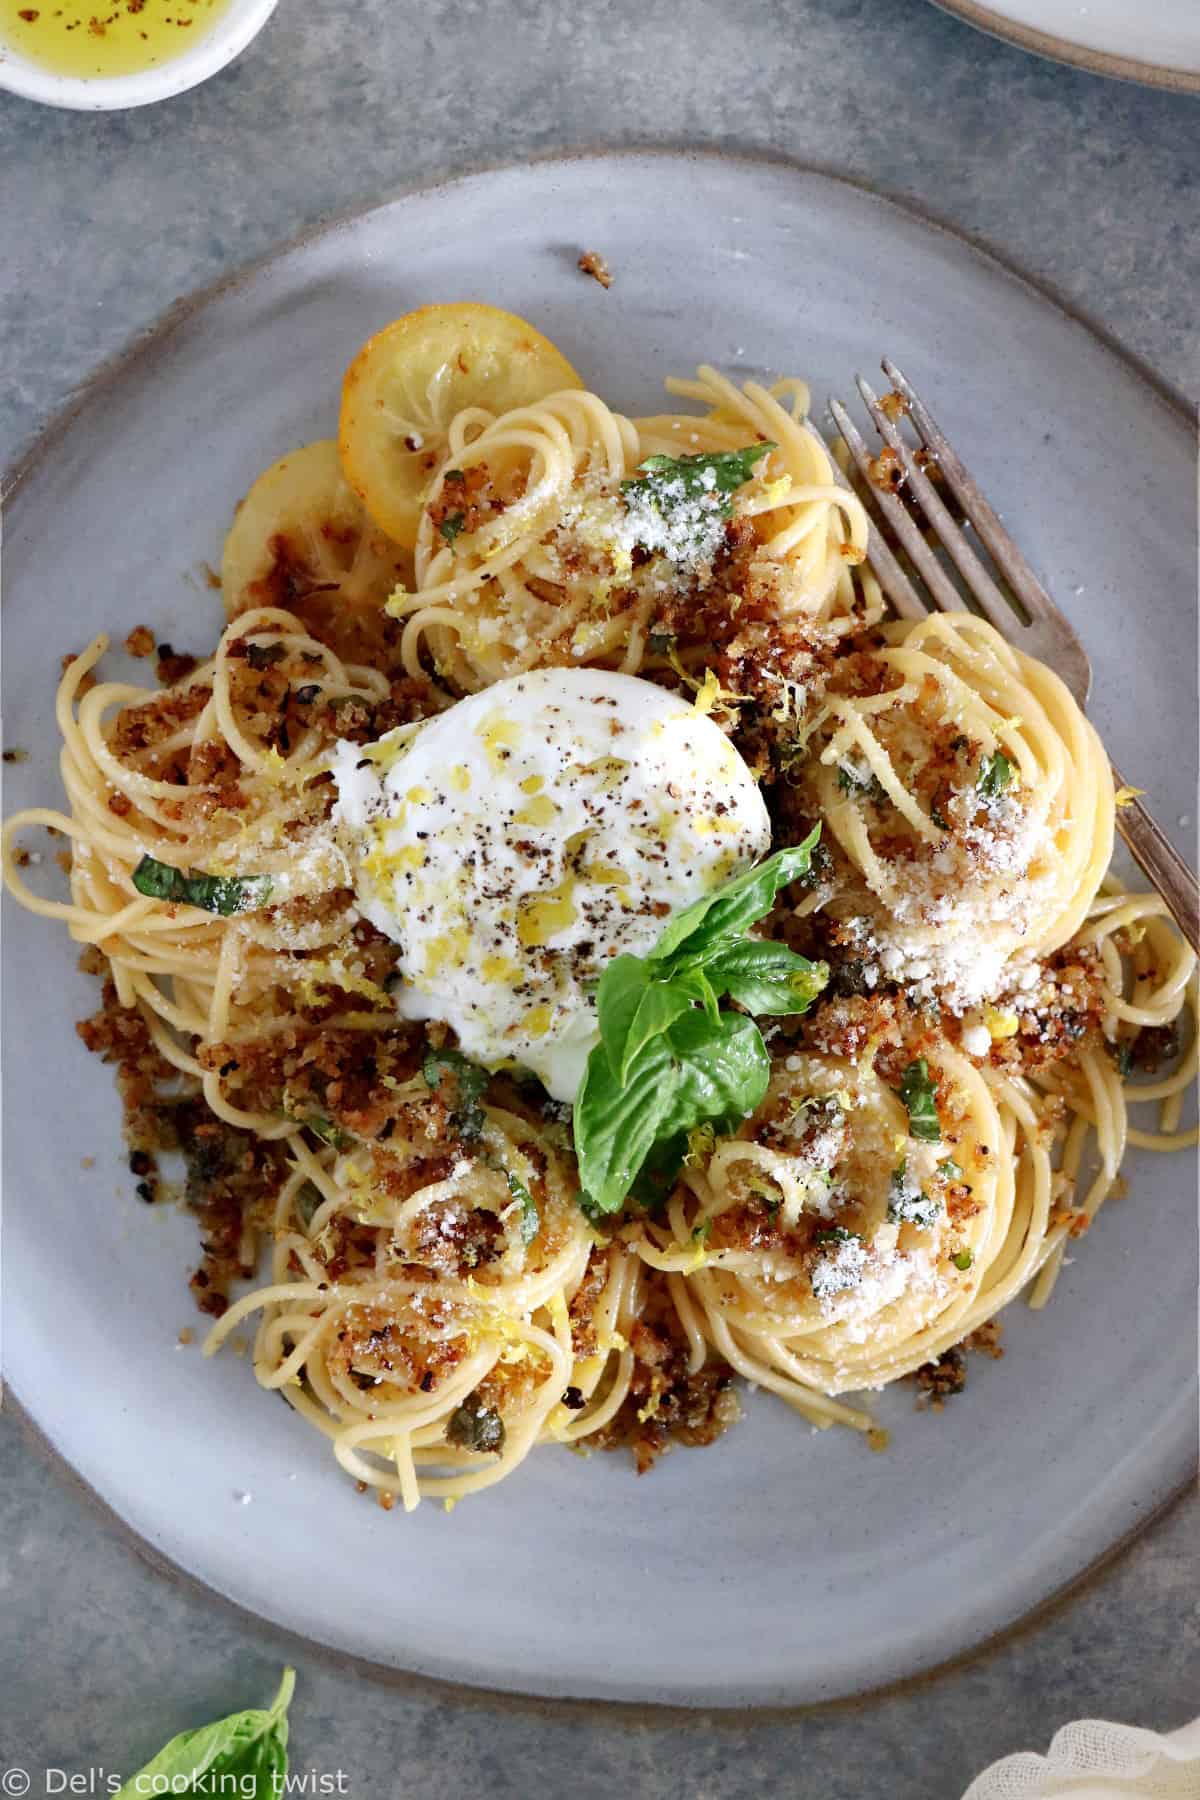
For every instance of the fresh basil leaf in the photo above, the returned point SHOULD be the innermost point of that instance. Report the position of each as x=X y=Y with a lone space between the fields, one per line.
x=949 y=1170
x=699 y=1069
x=467 y=1079
x=702 y=928
x=662 y=1066
x=452 y=525
x=245 y=1754
x=616 y=1124
x=660 y=1171
x=618 y=996
x=530 y=1221
x=589 y=1209
x=918 y=1090
x=722 y=1070
x=224 y=894
x=662 y=1002
x=696 y=985
x=995 y=773
x=720 y=473
x=766 y=977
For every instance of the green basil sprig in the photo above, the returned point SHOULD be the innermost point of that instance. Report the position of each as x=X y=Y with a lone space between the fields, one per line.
x=225 y=894
x=669 y=1058
x=245 y=1754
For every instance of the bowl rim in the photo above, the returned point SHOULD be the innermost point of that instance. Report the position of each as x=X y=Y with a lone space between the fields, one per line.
x=229 y=36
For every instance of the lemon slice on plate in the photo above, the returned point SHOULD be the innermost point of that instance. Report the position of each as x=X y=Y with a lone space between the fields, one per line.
x=410 y=380
x=300 y=530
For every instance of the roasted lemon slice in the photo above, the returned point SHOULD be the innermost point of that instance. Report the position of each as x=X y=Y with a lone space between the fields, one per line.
x=302 y=530
x=407 y=383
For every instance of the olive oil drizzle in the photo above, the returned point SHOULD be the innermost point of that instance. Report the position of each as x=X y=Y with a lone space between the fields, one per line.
x=104 y=38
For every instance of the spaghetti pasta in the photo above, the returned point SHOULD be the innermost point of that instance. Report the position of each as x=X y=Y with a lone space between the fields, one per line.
x=439 y=1302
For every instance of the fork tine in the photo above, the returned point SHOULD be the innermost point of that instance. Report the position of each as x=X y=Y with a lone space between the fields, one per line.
x=942 y=590
x=991 y=601
x=963 y=486
x=906 y=603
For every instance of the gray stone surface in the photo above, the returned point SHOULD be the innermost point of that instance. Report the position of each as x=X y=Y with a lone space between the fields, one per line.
x=1090 y=186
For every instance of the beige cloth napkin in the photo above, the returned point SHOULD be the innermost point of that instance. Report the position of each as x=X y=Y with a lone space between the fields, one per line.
x=1095 y=1760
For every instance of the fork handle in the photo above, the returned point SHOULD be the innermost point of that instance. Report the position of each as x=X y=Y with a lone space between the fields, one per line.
x=1160 y=860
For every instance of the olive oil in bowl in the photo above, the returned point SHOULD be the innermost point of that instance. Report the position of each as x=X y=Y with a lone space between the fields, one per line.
x=87 y=39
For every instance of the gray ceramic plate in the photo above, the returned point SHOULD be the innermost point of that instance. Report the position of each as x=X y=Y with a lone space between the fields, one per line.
x=781 y=1565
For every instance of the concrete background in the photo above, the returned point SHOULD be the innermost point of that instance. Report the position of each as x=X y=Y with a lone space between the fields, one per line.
x=1090 y=186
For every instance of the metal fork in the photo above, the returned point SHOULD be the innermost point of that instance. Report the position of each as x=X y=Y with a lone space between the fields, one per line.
x=1042 y=631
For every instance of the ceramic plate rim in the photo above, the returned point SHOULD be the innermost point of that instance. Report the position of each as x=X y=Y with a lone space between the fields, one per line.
x=390 y=1675
x=111 y=368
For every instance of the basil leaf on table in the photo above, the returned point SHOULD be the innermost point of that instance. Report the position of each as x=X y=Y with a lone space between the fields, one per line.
x=245 y=1754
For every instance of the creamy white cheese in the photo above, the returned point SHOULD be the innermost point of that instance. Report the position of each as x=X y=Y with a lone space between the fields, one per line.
x=516 y=843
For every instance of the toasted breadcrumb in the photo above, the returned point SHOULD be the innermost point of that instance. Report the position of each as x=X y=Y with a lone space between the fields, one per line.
x=947 y=1376
x=140 y=641
x=985 y=1339
x=593 y=264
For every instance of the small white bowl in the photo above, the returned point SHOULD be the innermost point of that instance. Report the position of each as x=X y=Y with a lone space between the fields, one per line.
x=241 y=21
